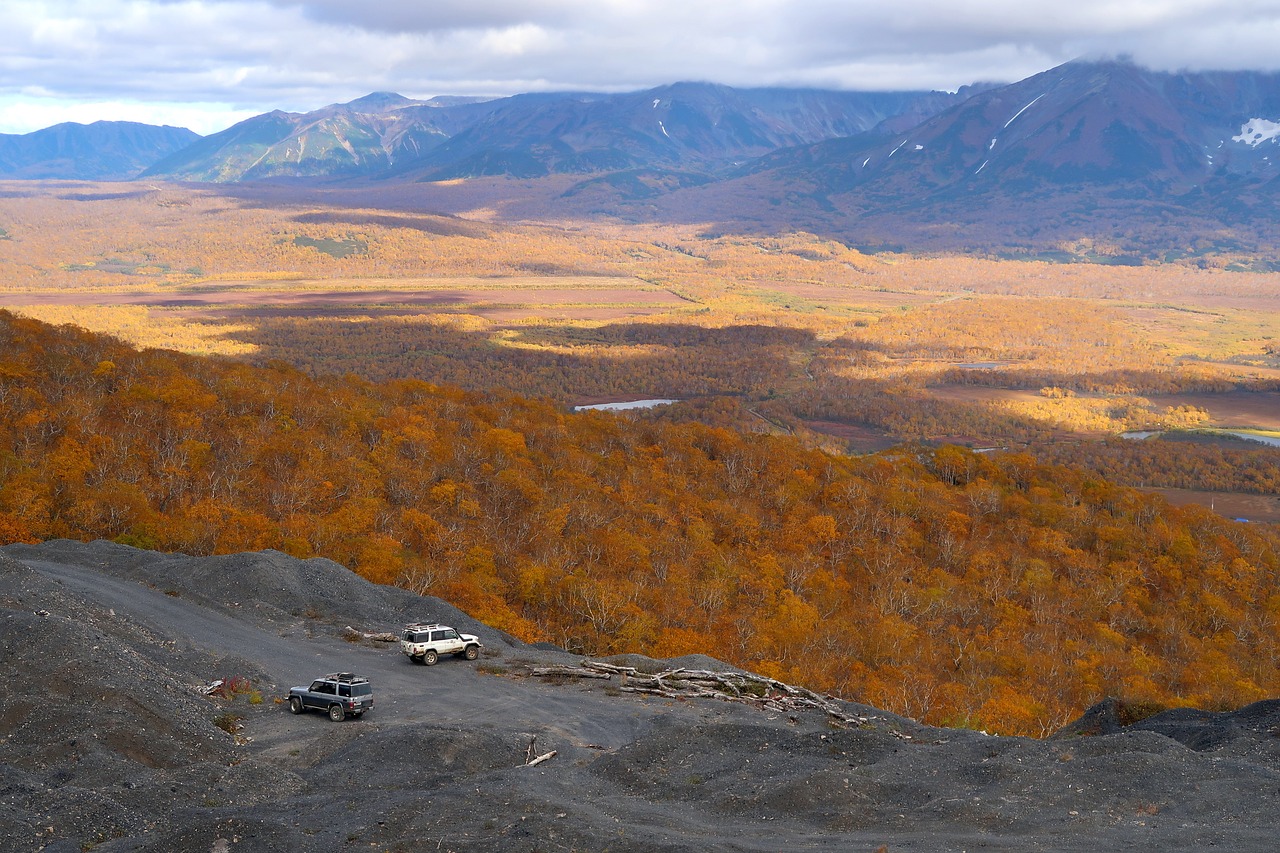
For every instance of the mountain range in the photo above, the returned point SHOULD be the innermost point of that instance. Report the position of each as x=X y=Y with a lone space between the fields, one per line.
x=1100 y=148
x=1134 y=163
x=687 y=126
x=104 y=150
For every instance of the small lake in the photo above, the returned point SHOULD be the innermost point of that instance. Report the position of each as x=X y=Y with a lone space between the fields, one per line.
x=626 y=404
x=1272 y=440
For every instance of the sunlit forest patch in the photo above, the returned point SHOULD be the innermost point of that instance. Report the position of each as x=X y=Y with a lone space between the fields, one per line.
x=147 y=326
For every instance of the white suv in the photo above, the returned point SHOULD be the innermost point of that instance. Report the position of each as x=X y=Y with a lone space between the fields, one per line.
x=426 y=643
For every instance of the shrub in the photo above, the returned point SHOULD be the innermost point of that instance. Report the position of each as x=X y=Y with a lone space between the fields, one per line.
x=1129 y=712
x=229 y=722
x=233 y=686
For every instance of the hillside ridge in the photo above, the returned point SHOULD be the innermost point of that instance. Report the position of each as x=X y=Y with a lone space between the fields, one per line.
x=989 y=589
x=163 y=759
x=684 y=126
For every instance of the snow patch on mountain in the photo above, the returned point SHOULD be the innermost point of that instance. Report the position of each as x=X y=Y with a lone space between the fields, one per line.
x=1257 y=131
x=1023 y=110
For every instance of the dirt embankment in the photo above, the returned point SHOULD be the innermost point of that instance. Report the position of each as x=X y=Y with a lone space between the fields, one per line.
x=109 y=742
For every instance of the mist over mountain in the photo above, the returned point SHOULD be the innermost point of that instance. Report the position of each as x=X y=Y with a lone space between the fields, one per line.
x=104 y=150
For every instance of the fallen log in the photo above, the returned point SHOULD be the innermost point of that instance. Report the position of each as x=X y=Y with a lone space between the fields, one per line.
x=541 y=758
x=601 y=666
x=736 y=686
x=568 y=672
x=673 y=694
x=380 y=636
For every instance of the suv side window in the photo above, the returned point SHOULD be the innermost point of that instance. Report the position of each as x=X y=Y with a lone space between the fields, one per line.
x=437 y=635
x=322 y=687
x=344 y=689
x=451 y=634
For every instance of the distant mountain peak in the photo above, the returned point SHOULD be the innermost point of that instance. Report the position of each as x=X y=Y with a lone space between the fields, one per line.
x=1098 y=148
x=378 y=102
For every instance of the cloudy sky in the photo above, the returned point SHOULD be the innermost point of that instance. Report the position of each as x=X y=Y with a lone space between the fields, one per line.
x=205 y=64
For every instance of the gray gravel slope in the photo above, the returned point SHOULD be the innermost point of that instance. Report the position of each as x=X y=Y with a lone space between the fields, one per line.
x=108 y=744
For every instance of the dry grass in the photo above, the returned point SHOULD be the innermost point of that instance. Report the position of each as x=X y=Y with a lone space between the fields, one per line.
x=1255 y=508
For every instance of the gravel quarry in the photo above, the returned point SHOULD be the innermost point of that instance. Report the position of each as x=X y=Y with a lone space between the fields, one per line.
x=115 y=737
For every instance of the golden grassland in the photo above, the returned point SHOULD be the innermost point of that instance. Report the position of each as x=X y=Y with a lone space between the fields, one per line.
x=972 y=350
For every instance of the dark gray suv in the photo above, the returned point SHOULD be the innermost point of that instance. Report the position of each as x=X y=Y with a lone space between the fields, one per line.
x=340 y=694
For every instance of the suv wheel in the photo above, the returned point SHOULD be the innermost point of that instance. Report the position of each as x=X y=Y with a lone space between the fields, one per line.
x=295 y=705
x=471 y=653
x=429 y=657
x=336 y=713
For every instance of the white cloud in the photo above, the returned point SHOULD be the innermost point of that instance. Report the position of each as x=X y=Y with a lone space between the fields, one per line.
x=236 y=57
x=25 y=113
x=399 y=16
x=519 y=40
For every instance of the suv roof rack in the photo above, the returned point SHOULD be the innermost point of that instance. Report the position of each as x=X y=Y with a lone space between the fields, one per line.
x=345 y=677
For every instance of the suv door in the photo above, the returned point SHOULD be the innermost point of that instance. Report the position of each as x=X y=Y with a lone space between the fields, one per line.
x=447 y=642
x=319 y=695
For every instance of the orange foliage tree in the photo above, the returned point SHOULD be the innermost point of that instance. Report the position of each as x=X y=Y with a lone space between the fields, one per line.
x=988 y=590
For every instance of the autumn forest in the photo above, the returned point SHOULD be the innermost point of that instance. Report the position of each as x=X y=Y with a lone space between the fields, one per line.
x=944 y=486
